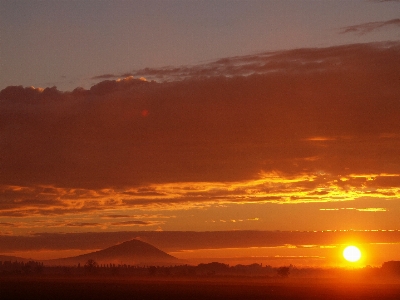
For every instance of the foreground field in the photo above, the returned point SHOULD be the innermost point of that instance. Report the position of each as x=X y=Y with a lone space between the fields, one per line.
x=215 y=288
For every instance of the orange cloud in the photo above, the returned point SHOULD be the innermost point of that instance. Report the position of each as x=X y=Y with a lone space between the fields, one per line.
x=298 y=126
x=320 y=139
x=270 y=187
x=133 y=223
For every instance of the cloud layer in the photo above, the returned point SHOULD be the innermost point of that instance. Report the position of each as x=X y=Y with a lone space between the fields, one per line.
x=184 y=240
x=299 y=125
x=370 y=26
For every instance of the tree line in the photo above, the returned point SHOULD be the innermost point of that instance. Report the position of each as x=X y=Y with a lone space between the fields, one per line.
x=91 y=267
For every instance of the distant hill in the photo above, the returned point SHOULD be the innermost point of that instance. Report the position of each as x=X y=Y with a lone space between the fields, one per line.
x=133 y=252
x=4 y=258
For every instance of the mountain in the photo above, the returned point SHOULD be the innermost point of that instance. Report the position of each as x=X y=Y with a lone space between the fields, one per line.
x=4 y=258
x=133 y=252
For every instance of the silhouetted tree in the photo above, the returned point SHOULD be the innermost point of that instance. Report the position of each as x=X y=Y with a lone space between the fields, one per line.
x=152 y=270
x=39 y=268
x=283 y=271
x=391 y=268
x=167 y=271
x=90 y=265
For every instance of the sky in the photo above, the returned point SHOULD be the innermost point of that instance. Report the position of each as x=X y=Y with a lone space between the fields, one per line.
x=174 y=121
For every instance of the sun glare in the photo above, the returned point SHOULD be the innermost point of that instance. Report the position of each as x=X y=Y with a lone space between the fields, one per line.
x=352 y=253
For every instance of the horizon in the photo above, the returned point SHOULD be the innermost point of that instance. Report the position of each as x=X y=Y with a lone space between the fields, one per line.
x=231 y=130
x=222 y=246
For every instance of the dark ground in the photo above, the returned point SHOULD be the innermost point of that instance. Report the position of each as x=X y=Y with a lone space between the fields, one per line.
x=20 y=287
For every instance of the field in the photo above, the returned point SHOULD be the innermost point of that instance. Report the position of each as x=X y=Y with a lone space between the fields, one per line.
x=25 y=287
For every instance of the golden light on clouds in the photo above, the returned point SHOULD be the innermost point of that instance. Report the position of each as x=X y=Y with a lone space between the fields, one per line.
x=284 y=140
x=270 y=187
x=277 y=157
x=367 y=209
x=320 y=139
x=89 y=208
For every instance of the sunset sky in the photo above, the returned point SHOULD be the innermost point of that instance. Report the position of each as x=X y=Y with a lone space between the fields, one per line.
x=253 y=130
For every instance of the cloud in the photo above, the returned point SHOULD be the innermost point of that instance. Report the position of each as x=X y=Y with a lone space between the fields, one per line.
x=114 y=76
x=297 y=61
x=269 y=187
x=370 y=26
x=133 y=223
x=143 y=216
x=82 y=224
x=115 y=216
x=189 y=240
x=367 y=209
x=294 y=126
x=372 y=209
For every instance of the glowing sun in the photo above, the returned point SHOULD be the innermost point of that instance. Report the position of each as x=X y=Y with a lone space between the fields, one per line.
x=352 y=253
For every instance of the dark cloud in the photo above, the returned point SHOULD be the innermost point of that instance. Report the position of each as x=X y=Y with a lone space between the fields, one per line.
x=290 y=113
x=189 y=240
x=115 y=216
x=82 y=224
x=297 y=61
x=130 y=223
x=370 y=26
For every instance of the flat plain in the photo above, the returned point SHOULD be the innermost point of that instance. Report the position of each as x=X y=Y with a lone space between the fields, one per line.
x=20 y=287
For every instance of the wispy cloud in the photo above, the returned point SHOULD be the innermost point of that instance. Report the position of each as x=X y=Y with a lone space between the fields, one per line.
x=134 y=223
x=372 y=209
x=297 y=61
x=115 y=216
x=367 y=209
x=82 y=224
x=105 y=76
x=370 y=26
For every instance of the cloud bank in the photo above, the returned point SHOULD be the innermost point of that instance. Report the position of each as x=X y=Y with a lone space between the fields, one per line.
x=298 y=125
x=184 y=240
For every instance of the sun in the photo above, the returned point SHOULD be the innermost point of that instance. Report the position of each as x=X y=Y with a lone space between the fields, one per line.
x=352 y=253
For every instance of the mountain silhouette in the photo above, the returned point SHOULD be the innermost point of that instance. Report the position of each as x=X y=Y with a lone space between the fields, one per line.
x=133 y=252
x=4 y=258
